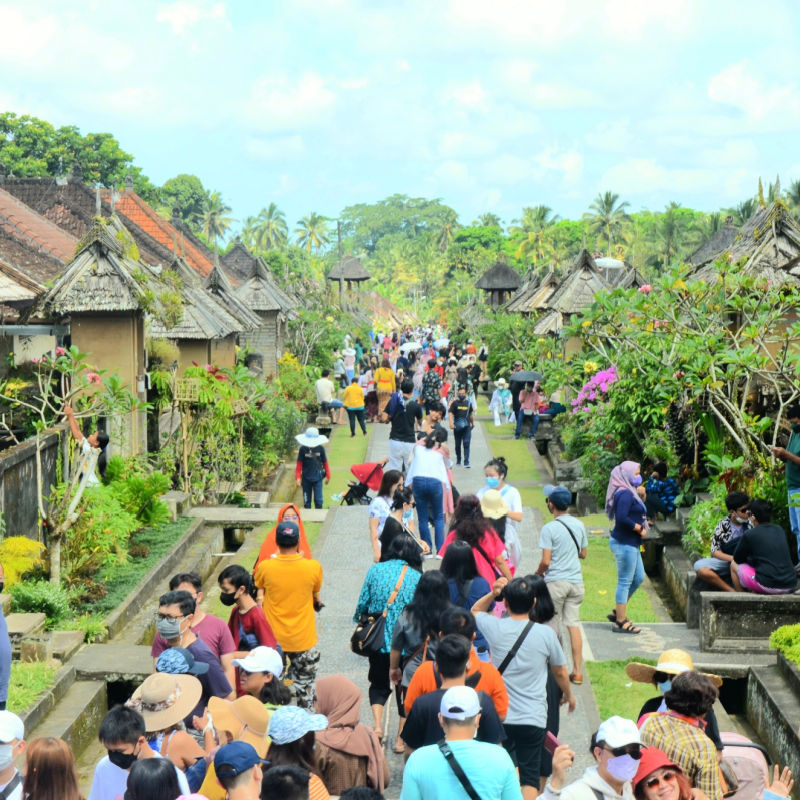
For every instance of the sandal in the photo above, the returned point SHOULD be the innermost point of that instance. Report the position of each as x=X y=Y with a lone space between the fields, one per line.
x=573 y=679
x=612 y=617
x=626 y=626
x=399 y=746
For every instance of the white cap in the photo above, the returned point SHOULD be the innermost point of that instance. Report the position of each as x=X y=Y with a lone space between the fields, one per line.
x=261 y=659
x=460 y=702
x=618 y=731
x=11 y=727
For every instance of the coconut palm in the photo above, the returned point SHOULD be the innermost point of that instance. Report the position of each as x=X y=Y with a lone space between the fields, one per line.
x=271 y=231
x=743 y=211
x=312 y=231
x=670 y=233
x=533 y=224
x=445 y=234
x=607 y=217
x=249 y=232
x=704 y=227
x=489 y=220
x=215 y=218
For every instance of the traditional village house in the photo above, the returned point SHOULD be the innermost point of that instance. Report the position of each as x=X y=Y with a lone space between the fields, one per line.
x=499 y=282
x=348 y=271
x=534 y=294
x=721 y=242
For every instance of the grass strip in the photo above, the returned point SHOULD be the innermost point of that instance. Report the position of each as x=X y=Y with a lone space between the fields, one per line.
x=615 y=692
x=29 y=679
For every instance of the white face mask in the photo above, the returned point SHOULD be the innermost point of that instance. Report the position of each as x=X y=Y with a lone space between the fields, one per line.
x=6 y=755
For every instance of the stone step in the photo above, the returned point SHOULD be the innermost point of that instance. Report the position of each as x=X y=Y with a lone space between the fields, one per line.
x=24 y=626
x=66 y=643
x=177 y=502
x=77 y=716
x=773 y=709
x=113 y=662
x=257 y=499
x=726 y=646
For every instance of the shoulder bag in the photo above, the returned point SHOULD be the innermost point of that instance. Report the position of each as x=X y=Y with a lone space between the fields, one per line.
x=572 y=535
x=488 y=560
x=513 y=651
x=459 y=772
x=369 y=636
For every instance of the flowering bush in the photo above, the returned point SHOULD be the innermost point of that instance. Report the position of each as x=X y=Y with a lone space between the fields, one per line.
x=593 y=392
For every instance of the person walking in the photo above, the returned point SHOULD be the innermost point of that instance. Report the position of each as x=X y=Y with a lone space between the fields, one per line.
x=405 y=415
x=312 y=466
x=496 y=472
x=461 y=423
x=325 y=393
x=354 y=405
x=385 y=383
x=528 y=409
x=431 y=391
x=428 y=477
x=790 y=455
x=289 y=586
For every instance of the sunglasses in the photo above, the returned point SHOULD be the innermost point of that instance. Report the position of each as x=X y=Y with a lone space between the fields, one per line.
x=632 y=750
x=742 y=510
x=666 y=777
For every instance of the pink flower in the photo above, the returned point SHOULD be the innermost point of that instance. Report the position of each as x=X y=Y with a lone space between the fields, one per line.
x=645 y=288
x=679 y=374
x=60 y=351
x=93 y=377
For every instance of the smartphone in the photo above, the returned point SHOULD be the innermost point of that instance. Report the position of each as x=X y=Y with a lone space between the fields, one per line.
x=550 y=743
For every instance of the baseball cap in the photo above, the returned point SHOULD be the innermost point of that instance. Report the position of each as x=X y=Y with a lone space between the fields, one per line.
x=261 y=659
x=11 y=727
x=460 y=702
x=618 y=731
x=180 y=661
x=559 y=496
x=290 y=723
x=235 y=758
x=287 y=533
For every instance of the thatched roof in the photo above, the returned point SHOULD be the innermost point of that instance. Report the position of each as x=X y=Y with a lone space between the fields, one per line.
x=630 y=279
x=767 y=246
x=218 y=285
x=349 y=269
x=500 y=277
x=261 y=292
x=534 y=294
x=474 y=314
x=719 y=243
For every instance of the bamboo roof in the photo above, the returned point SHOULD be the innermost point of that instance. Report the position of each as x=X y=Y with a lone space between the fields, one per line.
x=349 y=269
x=534 y=294
x=218 y=285
x=716 y=246
x=499 y=277
x=630 y=279
x=260 y=292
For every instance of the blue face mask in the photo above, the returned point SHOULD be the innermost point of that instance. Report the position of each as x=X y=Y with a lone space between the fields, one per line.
x=636 y=480
x=664 y=686
x=492 y=483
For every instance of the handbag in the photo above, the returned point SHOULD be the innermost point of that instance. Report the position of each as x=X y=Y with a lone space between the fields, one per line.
x=369 y=636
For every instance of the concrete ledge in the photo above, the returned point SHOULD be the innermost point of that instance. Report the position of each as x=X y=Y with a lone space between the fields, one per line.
x=678 y=575
x=740 y=622
x=46 y=702
x=113 y=662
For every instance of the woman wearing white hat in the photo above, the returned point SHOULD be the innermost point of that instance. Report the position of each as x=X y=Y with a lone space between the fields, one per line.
x=500 y=404
x=312 y=466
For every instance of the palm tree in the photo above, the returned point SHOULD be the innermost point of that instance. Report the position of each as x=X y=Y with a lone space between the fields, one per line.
x=534 y=222
x=670 y=233
x=215 y=218
x=704 y=227
x=312 y=231
x=744 y=211
x=249 y=232
x=445 y=234
x=489 y=220
x=272 y=231
x=606 y=216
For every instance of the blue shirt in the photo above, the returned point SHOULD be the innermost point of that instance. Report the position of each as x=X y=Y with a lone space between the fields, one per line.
x=667 y=490
x=628 y=511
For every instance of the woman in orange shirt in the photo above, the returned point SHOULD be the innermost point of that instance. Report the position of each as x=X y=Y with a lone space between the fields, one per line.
x=269 y=548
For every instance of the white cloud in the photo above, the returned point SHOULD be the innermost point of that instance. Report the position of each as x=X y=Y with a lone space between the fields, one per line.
x=276 y=103
x=647 y=176
x=470 y=95
x=517 y=71
x=401 y=65
x=27 y=39
x=353 y=84
x=560 y=95
x=185 y=14
x=455 y=144
x=567 y=162
x=629 y=19
x=610 y=137
x=493 y=198
x=539 y=21
x=455 y=174
x=508 y=169
x=275 y=148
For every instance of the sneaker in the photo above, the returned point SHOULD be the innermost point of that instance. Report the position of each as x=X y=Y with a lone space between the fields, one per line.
x=466 y=466
x=458 y=463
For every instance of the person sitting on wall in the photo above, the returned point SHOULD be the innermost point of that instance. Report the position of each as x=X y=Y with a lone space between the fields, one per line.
x=716 y=570
x=96 y=440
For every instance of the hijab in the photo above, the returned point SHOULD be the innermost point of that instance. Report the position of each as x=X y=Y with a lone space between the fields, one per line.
x=339 y=699
x=269 y=547
x=621 y=479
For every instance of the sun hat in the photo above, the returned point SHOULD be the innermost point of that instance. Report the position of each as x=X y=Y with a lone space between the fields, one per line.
x=261 y=659
x=11 y=727
x=246 y=718
x=180 y=661
x=651 y=760
x=164 y=699
x=559 y=496
x=671 y=662
x=290 y=723
x=617 y=732
x=502 y=382
x=493 y=505
x=287 y=533
x=460 y=702
x=235 y=758
x=311 y=438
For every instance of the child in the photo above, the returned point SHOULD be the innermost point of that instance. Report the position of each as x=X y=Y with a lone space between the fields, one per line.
x=312 y=466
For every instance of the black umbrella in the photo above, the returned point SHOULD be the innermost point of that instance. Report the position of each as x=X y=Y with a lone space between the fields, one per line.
x=525 y=376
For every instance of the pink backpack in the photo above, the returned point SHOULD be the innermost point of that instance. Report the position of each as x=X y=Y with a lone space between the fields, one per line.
x=749 y=763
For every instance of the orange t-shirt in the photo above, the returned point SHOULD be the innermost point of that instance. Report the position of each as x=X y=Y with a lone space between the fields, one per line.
x=491 y=682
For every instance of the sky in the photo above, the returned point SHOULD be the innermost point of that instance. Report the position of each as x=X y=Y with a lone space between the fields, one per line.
x=490 y=105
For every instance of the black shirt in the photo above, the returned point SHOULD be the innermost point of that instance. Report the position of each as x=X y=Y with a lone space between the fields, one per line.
x=765 y=548
x=422 y=724
x=460 y=409
x=402 y=419
x=313 y=460
x=391 y=529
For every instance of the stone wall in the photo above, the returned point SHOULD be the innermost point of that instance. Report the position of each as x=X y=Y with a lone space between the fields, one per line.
x=267 y=341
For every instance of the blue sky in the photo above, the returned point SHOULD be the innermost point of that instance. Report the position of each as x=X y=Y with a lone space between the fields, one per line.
x=489 y=104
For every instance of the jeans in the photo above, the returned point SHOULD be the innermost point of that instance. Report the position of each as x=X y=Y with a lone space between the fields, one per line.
x=350 y=374
x=630 y=570
x=534 y=424
x=356 y=414
x=428 y=497
x=308 y=488
x=463 y=436
x=794 y=515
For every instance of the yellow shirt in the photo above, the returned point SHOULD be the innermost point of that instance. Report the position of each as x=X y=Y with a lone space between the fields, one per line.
x=289 y=583
x=385 y=379
x=353 y=396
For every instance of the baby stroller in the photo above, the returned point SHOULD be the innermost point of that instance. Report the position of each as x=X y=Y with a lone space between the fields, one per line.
x=368 y=476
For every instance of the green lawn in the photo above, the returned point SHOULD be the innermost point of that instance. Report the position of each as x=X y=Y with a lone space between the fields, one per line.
x=521 y=467
x=615 y=692
x=28 y=681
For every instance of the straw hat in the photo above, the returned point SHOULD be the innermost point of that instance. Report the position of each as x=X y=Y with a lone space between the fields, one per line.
x=493 y=505
x=246 y=718
x=671 y=662
x=501 y=382
x=164 y=699
x=311 y=438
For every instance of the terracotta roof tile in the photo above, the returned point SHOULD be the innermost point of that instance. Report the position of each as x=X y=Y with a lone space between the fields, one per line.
x=32 y=229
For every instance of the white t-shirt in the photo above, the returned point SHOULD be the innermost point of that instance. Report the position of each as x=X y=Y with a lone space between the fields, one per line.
x=17 y=793
x=110 y=781
x=325 y=390
x=379 y=509
x=86 y=451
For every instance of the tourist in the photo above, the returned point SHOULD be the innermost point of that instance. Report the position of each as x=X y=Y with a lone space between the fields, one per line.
x=339 y=373
x=86 y=444
x=661 y=492
x=405 y=416
x=500 y=404
x=791 y=456
x=461 y=423
x=291 y=730
x=260 y=674
x=349 y=358
x=496 y=472
x=524 y=671
x=285 y=783
x=616 y=749
x=624 y=506
x=381 y=507
x=50 y=772
x=563 y=543
x=325 y=391
x=12 y=742
x=312 y=466
x=429 y=479
x=528 y=409
x=289 y=586
x=353 y=399
x=152 y=779
x=400 y=520
x=671 y=663
x=431 y=390
x=239 y=770
x=5 y=651
x=495 y=510
x=122 y=734
x=762 y=563
x=415 y=636
x=165 y=701
x=716 y=570
x=385 y=383
x=429 y=774
x=396 y=578
x=348 y=753
x=433 y=421
x=659 y=778
x=287 y=513
x=450 y=371
x=678 y=731
x=359 y=793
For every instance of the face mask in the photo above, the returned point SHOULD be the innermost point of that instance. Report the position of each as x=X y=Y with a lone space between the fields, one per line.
x=407 y=515
x=227 y=598
x=739 y=521
x=169 y=628
x=623 y=768
x=6 y=755
x=796 y=427
x=636 y=480
x=493 y=483
x=122 y=760
x=664 y=686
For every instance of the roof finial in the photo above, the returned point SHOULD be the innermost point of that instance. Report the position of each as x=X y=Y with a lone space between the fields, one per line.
x=128 y=182
x=98 y=204
x=76 y=173
x=761 y=200
x=777 y=190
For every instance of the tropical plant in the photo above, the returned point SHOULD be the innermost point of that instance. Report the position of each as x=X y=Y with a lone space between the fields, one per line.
x=531 y=228
x=671 y=233
x=18 y=555
x=743 y=211
x=445 y=234
x=215 y=218
x=489 y=220
x=271 y=231
x=607 y=217
x=312 y=232
x=42 y=597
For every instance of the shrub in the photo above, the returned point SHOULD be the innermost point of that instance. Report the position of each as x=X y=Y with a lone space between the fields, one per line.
x=138 y=489
x=41 y=596
x=703 y=518
x=18 y=555
x=93 y=627
x=786 y=640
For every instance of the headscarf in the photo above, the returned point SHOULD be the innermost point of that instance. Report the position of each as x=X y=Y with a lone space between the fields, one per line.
x=621 y=479
x=339 y=699
x=269 y=547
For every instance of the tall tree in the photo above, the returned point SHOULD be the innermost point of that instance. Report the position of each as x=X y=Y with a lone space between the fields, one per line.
x=742 y=212
x=312 y=231
x=488 y=220
x=671 y=233
x=704 y=227
x=272 y=232
x=792 y=196
x=532 y=225
x=186 y=194
x=215 y=219
x=607 y=217
x=445 y=234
